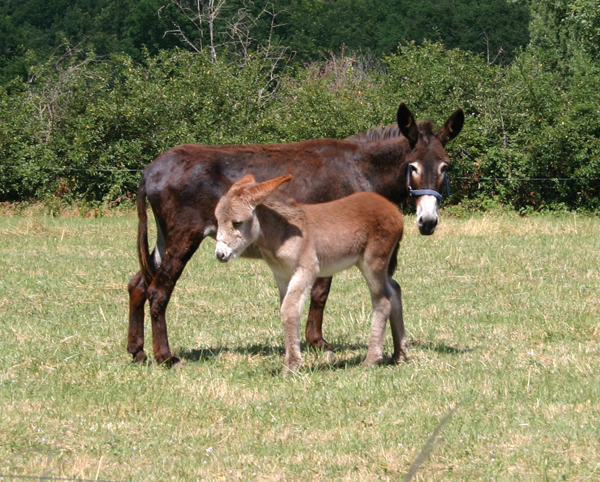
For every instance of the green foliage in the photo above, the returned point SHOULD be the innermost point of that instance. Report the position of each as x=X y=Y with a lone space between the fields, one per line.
x=495 y=28
x=524 y=121
x=106 y=26
x=568 y=31
x=81 y=125
x=308 y=28
x=118 y=115
x=336 y=98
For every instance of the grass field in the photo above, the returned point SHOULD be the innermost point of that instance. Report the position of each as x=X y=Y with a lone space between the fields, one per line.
x=502 y=314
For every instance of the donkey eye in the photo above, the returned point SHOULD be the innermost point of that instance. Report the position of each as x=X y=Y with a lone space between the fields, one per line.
x=237 y=224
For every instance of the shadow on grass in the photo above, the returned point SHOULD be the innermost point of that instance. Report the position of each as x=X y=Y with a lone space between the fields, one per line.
x=339 y=362
x=206 y=354
x=440 y=348
x=264 y=349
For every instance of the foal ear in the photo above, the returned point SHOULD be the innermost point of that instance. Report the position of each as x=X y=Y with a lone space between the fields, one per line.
x=407 y=125
x=258 y=194
x=247 y=179
x=239 y=186
x=452 y=127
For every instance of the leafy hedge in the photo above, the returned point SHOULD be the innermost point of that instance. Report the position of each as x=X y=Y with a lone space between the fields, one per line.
x=81 y=128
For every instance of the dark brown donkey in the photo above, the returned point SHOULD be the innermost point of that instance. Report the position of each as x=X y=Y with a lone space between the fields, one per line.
x=185 y=184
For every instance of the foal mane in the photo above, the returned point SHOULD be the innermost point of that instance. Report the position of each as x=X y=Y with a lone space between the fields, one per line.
x=388 y=132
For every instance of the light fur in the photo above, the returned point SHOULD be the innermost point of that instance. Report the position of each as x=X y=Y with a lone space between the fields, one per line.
x=301 y=242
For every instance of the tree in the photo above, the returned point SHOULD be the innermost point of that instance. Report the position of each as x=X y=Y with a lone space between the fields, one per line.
x=568 y=31
x=496 y=28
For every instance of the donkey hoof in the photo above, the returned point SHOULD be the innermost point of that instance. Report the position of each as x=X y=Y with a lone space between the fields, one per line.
x=169 y=362
x=321 y=345
x=399 y=358
x=140 y=357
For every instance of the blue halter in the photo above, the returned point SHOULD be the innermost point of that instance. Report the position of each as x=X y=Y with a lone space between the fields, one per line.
x=422 y=192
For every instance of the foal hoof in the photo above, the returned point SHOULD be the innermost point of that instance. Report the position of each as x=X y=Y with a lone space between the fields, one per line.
x=291 y=369
x=371 y=362
x=329 y=356
x=399 y=358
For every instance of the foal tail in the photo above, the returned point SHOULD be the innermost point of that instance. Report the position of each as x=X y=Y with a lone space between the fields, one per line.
x=393 y=261
x=146 y=264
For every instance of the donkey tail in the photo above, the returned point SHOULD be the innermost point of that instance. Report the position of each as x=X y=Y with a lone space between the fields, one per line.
x=146 y=262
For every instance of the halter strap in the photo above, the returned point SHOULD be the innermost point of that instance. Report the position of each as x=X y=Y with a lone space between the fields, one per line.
x=423 y=192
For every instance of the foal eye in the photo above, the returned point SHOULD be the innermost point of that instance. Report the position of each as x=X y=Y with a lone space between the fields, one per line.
x=237 y=224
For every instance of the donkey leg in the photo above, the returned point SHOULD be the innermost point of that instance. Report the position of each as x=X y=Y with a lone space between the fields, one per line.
x=137 y=300
x=397 y=323
x=159 y=294
x=314 y=325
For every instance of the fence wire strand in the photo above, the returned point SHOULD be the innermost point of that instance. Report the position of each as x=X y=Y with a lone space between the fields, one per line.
x=474 y=179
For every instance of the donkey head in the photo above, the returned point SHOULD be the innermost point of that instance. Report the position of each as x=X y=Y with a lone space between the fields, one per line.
x=238 y=226
x=427 y=163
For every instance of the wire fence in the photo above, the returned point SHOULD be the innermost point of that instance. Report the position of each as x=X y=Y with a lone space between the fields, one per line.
x=460 y=178
x=80 y=169
x=48 y=477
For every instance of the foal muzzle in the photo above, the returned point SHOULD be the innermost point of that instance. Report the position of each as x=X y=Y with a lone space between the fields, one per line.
x=223 y=252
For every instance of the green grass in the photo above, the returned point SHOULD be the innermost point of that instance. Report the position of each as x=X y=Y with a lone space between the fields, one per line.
x=502 y=315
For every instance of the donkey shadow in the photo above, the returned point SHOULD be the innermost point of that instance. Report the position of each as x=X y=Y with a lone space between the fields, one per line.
x=212 y=353
x=441 y=348
x=262 y=349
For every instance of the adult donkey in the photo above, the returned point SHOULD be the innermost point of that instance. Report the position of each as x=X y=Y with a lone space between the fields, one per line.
x=184 y=185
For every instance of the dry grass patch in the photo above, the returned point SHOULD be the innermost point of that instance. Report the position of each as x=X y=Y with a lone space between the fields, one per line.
x=502 y=315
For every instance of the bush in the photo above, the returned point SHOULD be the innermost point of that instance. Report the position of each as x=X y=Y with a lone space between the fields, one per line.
x=82 y=129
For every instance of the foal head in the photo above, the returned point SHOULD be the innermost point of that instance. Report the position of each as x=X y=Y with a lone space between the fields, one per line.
x=238 y=226
x=427 y=163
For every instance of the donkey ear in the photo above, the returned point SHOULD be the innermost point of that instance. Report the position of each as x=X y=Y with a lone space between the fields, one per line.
x=259 y=193
x=452 y=127
x=407 y=125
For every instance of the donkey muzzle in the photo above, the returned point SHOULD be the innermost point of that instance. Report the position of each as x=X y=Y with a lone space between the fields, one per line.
x=427 y=214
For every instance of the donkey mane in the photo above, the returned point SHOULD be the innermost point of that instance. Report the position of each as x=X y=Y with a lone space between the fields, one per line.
x=391 y=131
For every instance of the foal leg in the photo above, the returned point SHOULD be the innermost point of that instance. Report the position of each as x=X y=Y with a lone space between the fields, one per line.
x=291 y=311
x=137 y=300
x=318 y=298
x=397 y=323
x=382 y=307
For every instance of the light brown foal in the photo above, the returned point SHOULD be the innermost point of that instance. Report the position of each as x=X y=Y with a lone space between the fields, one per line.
x=302 y=242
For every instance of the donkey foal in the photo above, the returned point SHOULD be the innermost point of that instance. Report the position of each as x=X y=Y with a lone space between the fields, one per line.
x=302 y=242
